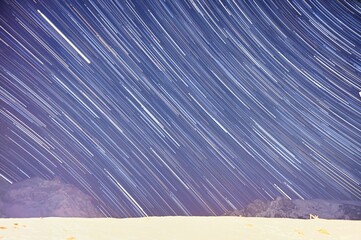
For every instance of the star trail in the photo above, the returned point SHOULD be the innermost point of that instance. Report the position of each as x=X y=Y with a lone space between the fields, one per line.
x=183 y=107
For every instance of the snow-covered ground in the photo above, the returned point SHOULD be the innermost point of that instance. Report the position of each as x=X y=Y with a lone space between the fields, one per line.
x=174 y=228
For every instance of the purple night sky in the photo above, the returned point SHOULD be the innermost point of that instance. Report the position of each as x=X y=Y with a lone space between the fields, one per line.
x=183 y=107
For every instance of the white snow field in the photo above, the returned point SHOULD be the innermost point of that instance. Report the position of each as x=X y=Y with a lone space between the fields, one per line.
x=174 y=228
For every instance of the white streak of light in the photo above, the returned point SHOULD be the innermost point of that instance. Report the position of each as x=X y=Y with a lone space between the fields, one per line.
x=66 y=39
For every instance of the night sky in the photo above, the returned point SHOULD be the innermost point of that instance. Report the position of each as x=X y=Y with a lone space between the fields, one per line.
x=183 y=107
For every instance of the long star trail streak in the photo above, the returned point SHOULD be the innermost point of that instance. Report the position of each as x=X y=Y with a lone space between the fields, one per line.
x=63 y=36
x=183 y=107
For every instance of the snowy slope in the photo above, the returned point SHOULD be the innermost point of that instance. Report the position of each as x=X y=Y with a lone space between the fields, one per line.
x=178 y=228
